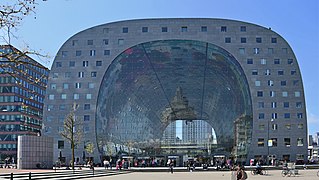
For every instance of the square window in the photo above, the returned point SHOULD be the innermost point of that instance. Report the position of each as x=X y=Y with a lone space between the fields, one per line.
x=283 y=83
x=250 y=61
x=263 y=61
x=78 y=85
x=298 y=105
x=65 y=86
x=257 y=83
x=105 y=41
x=270 y=50
x=71 y=63
x=242 y=50
x=272 y=93
x=81 y=74
x=90 y=42
x=51 y=96
x=261 y=142
x=243 y=40
x=93 y=74
x=290 y=61
x=98 y=63
x=284 y=94
x=295 y=82
x=254 y=72
x=261 y=116
x=274 y=116
x=227 y=40
x=285 y=50
x=76 y=96
x=243 y=28
x=120 y=42
x=256 y=50
x=78 y=53
x=258 y=40
x=75 y=42
x=276 y=61
x=88 y=96
x=125 y=30
x=274 y=142
x=293 y=72
x=287 y=115
x=85 y=63
x=64 y=54
x=86 y=117
x=184 y=29
x=300 y=126
x=164 y=29
x=204 y=28
x=91 y=85
x=259 y=94
x=261 y=104
x=287 y=142
x=299 y=142
x=87 y=106
x=261 y=127
x=60 y=144
x=267 y=72
x=53 y=86
x=297 y=93
x=223 y=29
x=106 y=30
x=63 y=96
x=92 y=52
x=280 y=72
x=144 y=29
x=299 y=115
x=58 y=64
x=107 y=52
x=270 y=83
x=273 y=104
x=273 y=40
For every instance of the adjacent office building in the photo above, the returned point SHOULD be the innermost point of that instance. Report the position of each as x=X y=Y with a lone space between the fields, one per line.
x=241 y=78
x=22 y=91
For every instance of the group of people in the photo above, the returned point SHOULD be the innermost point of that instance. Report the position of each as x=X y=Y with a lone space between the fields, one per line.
x=239 y=173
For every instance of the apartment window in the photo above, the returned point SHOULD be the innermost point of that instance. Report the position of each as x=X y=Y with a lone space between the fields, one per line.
x=290 y=61
x=261 y=104
x=76 y=96
x=98 y=63
x=243 y=40
x=273 y=40
x=164 y=29
x=227 y=40
x=280 y=72
x=67 y=74
x=86 y=117
x=184 y=29
x=78 y=53
x=288 y=126
x=107 y=52
x=65 y=86
x=257 y=83
x=243 y=28
x=85 y=63
x=273 y=104
x=270 y=50
x=283 y=83
x=298 y=105
x=287 y=142
x=254 y=72
x=81 y=74
x=263 y=61
x=93 y=74
x=287 y=115
x=75 y=42
x=90 y=42
x=120 y=41
x=258 y=40
x=144 y=29
x=261 y=116
x=250 y=61
x=91 y=85
x=71 y=63
x=272 y=93
x=295 y=82
x=284 y=94
x=274 y=115
x=270 y=83
x=259 y=94
x=274 y=142
x=293 y=72
x=87 y=106
x=274 y=126
x=267 y=72
x=300 y=126
x=62 y=107
x=297 y=93
x=285 y=50
x=286 y=104
x=64 y=54
x=58 y=64
x=106 y=30
x=256 y=50
x=51 y=96
x=125 y=30
x=261 y=127
x=88 y=96
x=63 y=96
x=276 y=61
x=242 y=50
x=60 y=144
x=261 y=142
x=299 y=115
x=204 y=28
x=53 y=86
x=78 y=85
x=105 y=41
x=92 y=52
x=223 y=29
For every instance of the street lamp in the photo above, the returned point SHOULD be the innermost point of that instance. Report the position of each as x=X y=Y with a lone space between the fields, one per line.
x=269 y=141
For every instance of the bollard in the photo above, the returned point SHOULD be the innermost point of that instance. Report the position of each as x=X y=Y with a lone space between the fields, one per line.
x=29 y=175
x=11 y=176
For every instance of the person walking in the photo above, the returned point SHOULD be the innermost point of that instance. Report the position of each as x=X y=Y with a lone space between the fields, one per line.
x=171 y=166
x=241 y=174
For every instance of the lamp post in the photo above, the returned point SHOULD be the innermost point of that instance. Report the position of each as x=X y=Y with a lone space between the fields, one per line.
x=269 y=141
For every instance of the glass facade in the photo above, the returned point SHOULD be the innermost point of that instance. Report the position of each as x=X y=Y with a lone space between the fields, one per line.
x=151 y=86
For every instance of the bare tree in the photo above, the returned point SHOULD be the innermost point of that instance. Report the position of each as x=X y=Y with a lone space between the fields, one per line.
x=73 y=131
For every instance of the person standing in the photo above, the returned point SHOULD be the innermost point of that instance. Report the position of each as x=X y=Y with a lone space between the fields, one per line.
x=171 y=166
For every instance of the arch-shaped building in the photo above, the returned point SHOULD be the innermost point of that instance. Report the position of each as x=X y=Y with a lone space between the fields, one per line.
x=134 y=79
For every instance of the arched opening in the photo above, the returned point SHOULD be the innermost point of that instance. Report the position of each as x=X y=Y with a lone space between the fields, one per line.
x=152 y=84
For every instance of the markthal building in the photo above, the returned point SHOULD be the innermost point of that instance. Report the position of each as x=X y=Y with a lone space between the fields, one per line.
x=184 y=88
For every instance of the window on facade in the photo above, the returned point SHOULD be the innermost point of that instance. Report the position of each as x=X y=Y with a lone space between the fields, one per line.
x=254 y=72
x=243 y=28
x=107 y=52
x=256 y=50
x=93 y=74
x=261 y=116
x=297 y=94
x=64 y=54
x=261 y=127
x=270 y=83
x=273 y=104
x=283 y=83
x=88 y=96
x=284 y=94
x=49 y=108
x=300 y=126
x=276 y=61
x=287 y=115
x=125 y=30
x=85 y=63
x=81 y=74
x=75 y=42
x=270 y=50
x=92 y=52
x=91 y=85
x=243 y=40
x=284 y=50
x=76 y=96
x=273 y=40
x=204 y=28
x=267 y=72
x=290 y=61
x=274 y=126
x=295 y=82
x=261 y=104
x=274 y=142
x=287 y=142
x=63 y=96
x=144 y=29
x=274 y=115
x=60 y=144
x=286 y=104
x=241 y=50
x=65 y=86
x=87 y=106
x=58 y=64
x=77 y=85
x=272 y=93
x=250 y=61
x=86 y=117
x=105 y=41
x=164 y=29
x=261 y=142
x=298 y=105
x=62 y=107
x=98 y=63
x=257 y=83
x=78 y=53
x=55 y=75
x=120 y=42
x=90 y=42
x=299 y=115
x=106 y=30
x=259 y=94
x=71 y=63
x=263 y=61
x=280 y=72
x=227 y=40
x=51 y=96
x=293 y=72
x=223 y=29
x=53 y=86
x=258 y=40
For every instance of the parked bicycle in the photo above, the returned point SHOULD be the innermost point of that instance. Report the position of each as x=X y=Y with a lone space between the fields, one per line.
x=289 y=172
x=258 y=171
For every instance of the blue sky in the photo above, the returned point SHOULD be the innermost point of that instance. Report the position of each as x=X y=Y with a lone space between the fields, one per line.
x=297 y=21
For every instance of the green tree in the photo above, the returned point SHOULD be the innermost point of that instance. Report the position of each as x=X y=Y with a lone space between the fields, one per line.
x=73 y=130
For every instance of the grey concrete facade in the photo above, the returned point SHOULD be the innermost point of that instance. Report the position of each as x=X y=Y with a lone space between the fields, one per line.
x=269 y=64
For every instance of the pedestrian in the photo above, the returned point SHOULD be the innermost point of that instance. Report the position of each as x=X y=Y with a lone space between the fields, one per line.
x=171 y=166
x=241 y=173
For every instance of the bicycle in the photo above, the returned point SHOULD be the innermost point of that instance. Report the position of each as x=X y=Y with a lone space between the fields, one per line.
x=255 y=172
x=288 y=172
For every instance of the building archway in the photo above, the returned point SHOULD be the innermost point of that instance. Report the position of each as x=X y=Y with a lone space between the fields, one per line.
x=138 y=96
